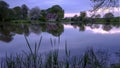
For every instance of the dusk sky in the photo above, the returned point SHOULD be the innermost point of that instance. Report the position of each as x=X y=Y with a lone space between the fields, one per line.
x=70 y=6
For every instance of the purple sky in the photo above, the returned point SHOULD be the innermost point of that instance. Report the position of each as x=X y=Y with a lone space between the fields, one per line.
x=70 y=6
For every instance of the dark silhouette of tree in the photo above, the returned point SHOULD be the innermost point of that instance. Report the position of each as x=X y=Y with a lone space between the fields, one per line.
x=82 y=16
x=75 y=18
x=17 y=12
x=43 y=15
x=3 y=4
x=108 y=17
x=11 y=14
x=98 y=16
x=24 y=10
x=3 y=10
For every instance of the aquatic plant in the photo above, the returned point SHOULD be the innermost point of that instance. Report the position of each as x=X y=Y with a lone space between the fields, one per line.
x=34 y=59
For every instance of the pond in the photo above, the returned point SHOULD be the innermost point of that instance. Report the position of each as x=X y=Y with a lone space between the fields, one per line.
x=77 y=37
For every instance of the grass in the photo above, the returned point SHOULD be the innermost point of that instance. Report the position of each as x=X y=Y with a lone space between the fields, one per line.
x=34 y=59
x=21 y=21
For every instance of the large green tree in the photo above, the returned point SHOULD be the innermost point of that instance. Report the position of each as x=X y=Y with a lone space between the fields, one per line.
x=56 y=9
x=108 y=17
x=83 y=16
x=3 y=10
x=24 y=10
x=43 y=15
x=11 y=14
x=17 y=12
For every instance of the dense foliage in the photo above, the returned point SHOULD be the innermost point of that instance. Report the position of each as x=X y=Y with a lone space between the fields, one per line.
x=55 y=13
x=34 y=13
x=57 y=10
x=3 y=10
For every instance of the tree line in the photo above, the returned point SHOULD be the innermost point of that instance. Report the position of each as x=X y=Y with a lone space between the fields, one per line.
x=55 y=13
x=83 y=18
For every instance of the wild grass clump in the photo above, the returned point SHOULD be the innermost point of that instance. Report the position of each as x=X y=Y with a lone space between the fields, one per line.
x=20 y=21
x=29 y=59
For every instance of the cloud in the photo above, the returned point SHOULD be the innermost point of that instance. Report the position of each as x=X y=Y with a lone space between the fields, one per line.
x=101 y=31
x=103 y=11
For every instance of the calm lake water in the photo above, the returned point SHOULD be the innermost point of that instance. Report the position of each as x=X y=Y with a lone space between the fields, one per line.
x=54 y=36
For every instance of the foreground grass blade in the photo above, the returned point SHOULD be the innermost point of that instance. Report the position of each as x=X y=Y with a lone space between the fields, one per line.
x=28 y=44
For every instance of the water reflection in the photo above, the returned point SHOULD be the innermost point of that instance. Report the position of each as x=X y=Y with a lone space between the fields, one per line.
x=107 y=27
x=35 y=29
x=5 y=34
x=8 y=31
x=78 y=36
x=98 y=28
x=55 y=29
x=53 y=59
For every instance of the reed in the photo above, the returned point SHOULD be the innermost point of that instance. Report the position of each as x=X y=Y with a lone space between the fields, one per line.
x=34 y=59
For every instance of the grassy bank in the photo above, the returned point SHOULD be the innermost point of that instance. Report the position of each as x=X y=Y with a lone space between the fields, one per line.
x=114 y=21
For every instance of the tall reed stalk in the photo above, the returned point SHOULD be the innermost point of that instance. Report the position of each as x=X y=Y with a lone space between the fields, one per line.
x=34 y=59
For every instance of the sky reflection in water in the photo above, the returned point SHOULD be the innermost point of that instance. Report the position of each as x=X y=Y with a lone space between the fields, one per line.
x=78 y=37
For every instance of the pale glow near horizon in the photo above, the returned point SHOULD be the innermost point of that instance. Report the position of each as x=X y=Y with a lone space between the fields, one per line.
x=102 y=11
x=71 y=14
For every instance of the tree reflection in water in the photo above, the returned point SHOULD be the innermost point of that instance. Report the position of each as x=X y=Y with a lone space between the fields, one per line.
x=56 y=29
x=35 y=28
x=8 y=31
x=89 y=59
x=107 y=27
x=5 y=33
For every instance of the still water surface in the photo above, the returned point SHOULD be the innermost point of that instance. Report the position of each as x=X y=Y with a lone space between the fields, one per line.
x=54 y=36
